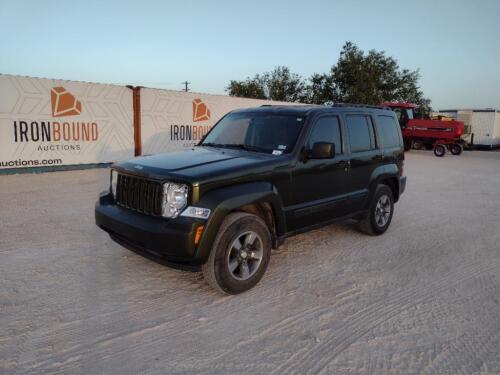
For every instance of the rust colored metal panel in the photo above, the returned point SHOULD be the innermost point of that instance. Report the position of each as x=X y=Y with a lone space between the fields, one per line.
x=137 y=121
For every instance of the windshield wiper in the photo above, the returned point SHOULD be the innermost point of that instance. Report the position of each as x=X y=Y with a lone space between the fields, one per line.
x=211 y=144
x=237 y=145
x=248 y=147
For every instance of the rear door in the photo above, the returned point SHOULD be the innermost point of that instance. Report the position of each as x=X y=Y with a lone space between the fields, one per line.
x=390 y=139
x=365 y=156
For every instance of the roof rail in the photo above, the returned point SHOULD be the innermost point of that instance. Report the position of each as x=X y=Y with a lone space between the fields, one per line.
x=360 y=106
x=294 y=104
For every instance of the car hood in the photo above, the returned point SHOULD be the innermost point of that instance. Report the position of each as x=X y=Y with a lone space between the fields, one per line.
x=201 y=164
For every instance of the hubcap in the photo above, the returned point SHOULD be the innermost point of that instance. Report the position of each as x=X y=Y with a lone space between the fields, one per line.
x=383 y=210
x=245 y=255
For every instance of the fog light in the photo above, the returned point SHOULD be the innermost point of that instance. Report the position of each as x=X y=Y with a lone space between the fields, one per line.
x=196 y=212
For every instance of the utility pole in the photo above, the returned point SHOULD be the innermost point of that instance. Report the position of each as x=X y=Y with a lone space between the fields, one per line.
x=186 y=83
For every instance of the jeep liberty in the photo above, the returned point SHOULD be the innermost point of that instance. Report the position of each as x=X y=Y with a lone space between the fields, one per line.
x=259 y=176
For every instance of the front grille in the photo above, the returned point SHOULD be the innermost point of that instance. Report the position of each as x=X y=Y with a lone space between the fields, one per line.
x=139 y=194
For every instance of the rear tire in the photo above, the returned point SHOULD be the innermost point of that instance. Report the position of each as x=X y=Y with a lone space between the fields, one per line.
x=418 y=145
x=240 y=254
x=380 y=212
x=456 y=149
x=439 y=150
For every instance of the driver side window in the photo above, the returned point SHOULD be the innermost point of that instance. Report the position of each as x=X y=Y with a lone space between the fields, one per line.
x=327 y=129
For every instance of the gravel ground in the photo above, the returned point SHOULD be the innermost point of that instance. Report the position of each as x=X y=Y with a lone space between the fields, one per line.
x=423 y=298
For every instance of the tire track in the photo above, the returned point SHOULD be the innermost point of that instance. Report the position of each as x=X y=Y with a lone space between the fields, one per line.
x=290 y=321
x=368 y=318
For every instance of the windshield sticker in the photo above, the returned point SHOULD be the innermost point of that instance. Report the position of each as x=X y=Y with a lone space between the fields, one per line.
x=277 y=152
x=281 y=147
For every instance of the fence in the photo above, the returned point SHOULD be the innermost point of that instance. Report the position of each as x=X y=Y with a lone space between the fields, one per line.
x=50 y=122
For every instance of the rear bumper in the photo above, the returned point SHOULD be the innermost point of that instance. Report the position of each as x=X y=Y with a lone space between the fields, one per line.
x=170 y=240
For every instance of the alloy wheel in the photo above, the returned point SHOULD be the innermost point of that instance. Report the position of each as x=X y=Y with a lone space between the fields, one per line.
x=382 y=210
x=245 y=255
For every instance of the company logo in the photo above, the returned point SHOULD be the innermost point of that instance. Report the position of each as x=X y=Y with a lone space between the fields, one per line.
x=58 y=135
x=64 y=103
x=200 y=111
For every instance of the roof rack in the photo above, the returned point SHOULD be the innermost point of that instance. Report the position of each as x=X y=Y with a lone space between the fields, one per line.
x=359 y=106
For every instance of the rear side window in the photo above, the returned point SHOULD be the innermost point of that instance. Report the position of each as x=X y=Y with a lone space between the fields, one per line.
x=361 y=136
x=327 y=129
x=388 y=131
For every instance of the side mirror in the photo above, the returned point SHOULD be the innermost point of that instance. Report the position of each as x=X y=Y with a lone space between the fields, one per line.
x=323 y=150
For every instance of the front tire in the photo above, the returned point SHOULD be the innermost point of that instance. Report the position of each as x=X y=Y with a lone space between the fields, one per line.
x=240 y=254
x=380 y=213
x=439 y=150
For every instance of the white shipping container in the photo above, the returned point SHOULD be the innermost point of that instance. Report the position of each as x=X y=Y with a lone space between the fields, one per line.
x=484 y=124
x=486 y=127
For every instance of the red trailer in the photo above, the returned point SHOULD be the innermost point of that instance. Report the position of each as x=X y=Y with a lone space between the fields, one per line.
x=433 y=134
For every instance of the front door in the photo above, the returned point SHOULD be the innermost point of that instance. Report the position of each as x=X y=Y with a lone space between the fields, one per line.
x=319 y=188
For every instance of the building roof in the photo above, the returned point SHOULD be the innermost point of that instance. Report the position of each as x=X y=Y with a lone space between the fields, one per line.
x=470 y=110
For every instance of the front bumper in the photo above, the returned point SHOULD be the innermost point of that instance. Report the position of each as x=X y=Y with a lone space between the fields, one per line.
x=168 y=239
x=402 y=184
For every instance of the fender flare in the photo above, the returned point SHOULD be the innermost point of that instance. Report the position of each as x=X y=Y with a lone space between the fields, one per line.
x=387 y=171
x=224 y=200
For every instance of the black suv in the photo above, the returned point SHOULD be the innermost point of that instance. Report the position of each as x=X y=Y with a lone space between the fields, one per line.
x=259 y=176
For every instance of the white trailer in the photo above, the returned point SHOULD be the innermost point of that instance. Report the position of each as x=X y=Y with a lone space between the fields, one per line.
x=484 y=125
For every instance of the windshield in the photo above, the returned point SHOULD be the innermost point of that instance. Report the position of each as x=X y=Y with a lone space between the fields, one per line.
x=260 y=132
x=403 y=115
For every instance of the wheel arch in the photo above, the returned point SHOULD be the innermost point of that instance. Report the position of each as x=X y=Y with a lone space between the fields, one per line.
x=388 y=175
x=258 y=198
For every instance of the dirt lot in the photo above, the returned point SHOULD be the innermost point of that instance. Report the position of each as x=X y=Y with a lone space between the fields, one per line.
x=423 y=298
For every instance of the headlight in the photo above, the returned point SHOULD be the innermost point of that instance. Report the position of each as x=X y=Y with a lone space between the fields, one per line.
x=174 y=199
x=113 y=182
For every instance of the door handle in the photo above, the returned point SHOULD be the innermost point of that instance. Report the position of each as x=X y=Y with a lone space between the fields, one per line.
x=377 y=157
x=345 y=164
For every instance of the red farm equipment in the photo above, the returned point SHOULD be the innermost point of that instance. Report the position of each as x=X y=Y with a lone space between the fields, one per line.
x=431 y=134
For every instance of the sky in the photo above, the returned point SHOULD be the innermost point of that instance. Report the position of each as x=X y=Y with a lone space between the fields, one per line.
x=455 y=44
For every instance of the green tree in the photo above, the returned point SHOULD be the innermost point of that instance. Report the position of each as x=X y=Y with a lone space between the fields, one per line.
x=249 y=88
x=280 y=84
x=320 y=89
x=357 y=77
x=373 y=78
